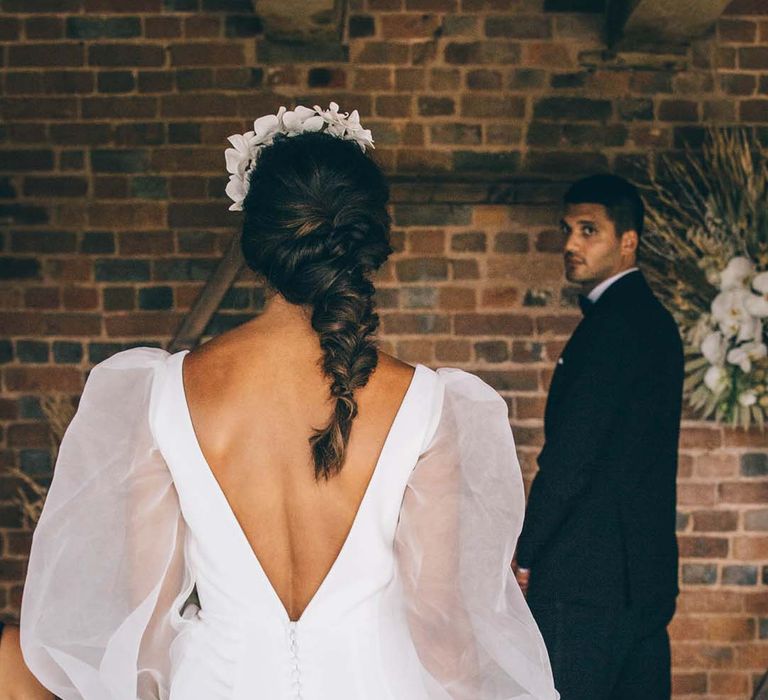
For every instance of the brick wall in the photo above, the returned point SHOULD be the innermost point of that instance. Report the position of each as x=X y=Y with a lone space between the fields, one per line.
x=112 y=214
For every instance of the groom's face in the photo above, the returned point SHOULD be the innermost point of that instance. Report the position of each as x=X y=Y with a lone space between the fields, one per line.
x=593 y=251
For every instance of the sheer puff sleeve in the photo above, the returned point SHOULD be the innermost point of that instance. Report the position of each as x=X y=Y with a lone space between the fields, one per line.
x=106 y=570
x=461 y=515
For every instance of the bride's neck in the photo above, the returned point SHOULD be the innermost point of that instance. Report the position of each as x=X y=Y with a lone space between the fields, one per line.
x=284 y=321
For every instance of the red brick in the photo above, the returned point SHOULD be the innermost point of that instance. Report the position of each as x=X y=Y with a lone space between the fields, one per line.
x=699 y=656
x=409 y=26
x=678 y=111
x=59 y=54
x=395 y=106
x=110 y=187
x=380 y=52
x=198 y=105
x=373 y=79
x=457 y=298
x=162 y=27
x=18 y=543
x=71 y=324
x=754 y=110
x=500 y=297
x=713 y=520
x=548 y=55
x=201 y=26
x=126 y=107
x=703 y=547
x=696 y=494
x=728 y=683
x=81 y=298
x=10 y=29
x=43 y=378
x=557 y=325
x=737 y=31
x=137 y=215
x=21 y=323
x=23 y=108
x=29 y=435
x=142 y=323
x=155 y=243
x=44 y=28
x=409 y=78
x=123 y=54
x=701 y=438
x=488 y=106
x=8 y=409
x=69 y=269
x=750 y=548
x=207 y=54
x=416 y=350
x=493 y=324
x=689 y=683
x=453 y=350
x=743 y=492
x=717 y=601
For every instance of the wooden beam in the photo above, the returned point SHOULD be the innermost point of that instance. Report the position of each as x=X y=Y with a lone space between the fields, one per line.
x=195 y=322
x=637 y=24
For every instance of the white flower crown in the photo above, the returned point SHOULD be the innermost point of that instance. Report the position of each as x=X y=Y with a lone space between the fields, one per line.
x=242 y=158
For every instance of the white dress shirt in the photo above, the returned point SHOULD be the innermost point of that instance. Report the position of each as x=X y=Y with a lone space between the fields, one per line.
x=597 y=292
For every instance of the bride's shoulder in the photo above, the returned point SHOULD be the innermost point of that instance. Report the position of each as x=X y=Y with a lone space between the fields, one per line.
x=134 y=358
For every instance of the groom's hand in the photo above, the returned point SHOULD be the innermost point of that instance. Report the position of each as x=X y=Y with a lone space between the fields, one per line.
x=522 y=576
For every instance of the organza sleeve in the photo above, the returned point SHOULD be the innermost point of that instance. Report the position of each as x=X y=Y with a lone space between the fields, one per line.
x=461 y=515
x=106 y=570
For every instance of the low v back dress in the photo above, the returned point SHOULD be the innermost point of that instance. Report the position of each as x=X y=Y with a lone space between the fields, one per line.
x=419 y=605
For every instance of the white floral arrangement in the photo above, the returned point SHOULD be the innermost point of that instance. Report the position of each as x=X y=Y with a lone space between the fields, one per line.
x=707 y=259
x=733 y=343
x=244 y=153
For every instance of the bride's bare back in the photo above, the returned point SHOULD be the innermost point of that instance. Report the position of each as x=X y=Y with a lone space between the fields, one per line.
x=254 y=395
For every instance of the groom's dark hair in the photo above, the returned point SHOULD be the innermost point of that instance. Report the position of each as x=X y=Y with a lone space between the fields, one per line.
x=620 y=198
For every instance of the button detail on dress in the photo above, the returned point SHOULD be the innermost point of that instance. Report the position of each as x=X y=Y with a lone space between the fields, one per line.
x=295 y=670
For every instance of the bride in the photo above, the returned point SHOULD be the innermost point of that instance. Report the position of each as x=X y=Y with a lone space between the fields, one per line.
x=286 y=512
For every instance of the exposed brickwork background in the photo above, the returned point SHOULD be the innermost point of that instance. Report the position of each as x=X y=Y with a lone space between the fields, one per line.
x=112 y=214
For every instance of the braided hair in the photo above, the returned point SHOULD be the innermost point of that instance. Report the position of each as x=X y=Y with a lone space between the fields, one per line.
x=316 y=227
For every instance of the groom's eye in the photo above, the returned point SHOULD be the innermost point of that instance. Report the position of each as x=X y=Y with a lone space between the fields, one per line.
x=588 y=230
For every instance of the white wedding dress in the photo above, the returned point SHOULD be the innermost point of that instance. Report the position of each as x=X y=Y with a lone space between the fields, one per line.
x=419 y=605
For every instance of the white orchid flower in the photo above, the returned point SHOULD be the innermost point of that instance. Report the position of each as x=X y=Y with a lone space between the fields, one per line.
x=736 y=273
x=295 y=121
x=265 y=128
x=757 y=304
x=714 y=348
x=746 y=354
x=747 y=398
x=237 y=158
x=236 y=191
x=716 y=380
x=730 y=313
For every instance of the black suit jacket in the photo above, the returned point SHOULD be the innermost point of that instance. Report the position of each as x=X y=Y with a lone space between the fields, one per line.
x=600 y=520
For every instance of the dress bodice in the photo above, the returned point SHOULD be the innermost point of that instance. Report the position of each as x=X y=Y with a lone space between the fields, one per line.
x=239 y=608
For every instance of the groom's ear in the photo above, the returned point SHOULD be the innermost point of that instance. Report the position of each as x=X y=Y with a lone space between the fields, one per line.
x=629 y=242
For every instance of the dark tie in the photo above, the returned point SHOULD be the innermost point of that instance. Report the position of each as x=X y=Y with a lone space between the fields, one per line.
x=585 y=304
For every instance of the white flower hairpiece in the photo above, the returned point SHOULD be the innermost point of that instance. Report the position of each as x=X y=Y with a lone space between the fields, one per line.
x=246 y=147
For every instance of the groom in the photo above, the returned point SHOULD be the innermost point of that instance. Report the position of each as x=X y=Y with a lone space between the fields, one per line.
x=597 y=556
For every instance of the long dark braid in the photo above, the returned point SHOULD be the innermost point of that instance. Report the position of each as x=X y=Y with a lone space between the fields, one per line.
x=316 y=228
